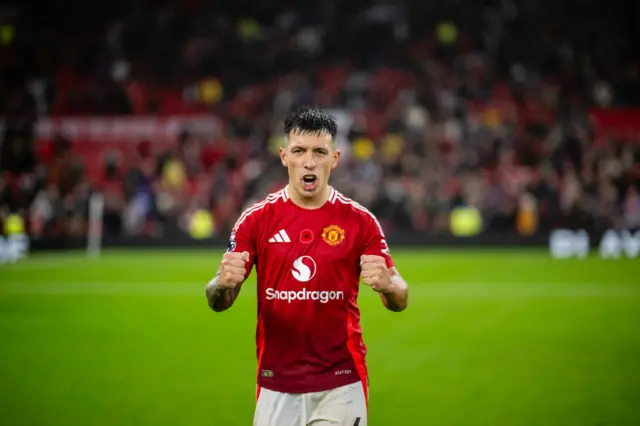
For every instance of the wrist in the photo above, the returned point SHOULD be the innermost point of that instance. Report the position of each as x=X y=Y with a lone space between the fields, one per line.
x=390 y=287
x=214 y=285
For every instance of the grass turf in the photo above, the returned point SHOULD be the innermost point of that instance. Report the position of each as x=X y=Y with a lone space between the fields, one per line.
x=490 y=338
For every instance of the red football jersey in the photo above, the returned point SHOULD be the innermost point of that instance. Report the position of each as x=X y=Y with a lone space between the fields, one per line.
x=308 y=333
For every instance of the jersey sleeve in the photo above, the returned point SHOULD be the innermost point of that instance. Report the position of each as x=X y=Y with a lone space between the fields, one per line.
x=243 y=238
x=376 y=242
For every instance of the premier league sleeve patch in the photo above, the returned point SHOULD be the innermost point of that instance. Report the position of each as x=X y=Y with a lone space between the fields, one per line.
x=232 y=242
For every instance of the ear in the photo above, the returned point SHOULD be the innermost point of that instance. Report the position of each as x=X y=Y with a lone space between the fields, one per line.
x=336 y=157
x=283 y=156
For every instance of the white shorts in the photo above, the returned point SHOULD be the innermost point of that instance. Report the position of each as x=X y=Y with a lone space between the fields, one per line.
x=343 y=406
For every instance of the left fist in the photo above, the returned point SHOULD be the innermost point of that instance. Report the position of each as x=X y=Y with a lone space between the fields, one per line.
x=375 y=273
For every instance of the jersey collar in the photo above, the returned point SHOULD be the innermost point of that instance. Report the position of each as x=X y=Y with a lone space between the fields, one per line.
x=332 y=194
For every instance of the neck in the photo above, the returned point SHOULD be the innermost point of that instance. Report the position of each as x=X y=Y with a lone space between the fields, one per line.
x=310 y=203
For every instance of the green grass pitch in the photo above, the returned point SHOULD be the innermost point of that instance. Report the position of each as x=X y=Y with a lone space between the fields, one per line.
x=490 y=338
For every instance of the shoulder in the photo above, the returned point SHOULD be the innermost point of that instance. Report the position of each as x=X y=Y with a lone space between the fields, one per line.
x=257 y=209
x=355 y=209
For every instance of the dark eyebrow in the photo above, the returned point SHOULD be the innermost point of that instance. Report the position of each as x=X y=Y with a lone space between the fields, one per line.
x=316 y=148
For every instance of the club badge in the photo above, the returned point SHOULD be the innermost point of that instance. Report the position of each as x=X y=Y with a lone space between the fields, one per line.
x=333 y=235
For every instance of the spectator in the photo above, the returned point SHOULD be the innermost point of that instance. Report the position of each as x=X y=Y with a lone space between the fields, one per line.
x=435 y=112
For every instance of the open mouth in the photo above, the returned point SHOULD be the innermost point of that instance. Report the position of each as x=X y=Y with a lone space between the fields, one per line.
x=309 y=182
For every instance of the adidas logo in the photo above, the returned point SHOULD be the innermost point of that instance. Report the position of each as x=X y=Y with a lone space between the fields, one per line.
x=280 y=237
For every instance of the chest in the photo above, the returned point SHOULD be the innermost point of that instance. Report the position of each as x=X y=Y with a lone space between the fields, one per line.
x=307 y=246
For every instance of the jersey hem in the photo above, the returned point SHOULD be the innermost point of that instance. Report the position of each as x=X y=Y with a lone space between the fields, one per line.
x=308 y=388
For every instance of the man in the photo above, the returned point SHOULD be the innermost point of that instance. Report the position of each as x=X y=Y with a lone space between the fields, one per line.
x=311 y=245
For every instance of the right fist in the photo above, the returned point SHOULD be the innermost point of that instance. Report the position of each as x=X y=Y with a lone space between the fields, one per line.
x=232 y=269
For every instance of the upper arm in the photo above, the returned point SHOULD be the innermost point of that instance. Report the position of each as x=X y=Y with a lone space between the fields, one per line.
x=243 y=238
x=376 y=242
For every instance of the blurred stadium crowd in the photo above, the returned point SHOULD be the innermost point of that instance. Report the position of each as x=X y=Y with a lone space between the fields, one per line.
x=442 y=105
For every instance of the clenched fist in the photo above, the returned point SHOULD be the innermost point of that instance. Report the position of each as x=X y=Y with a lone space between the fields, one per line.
x=374 y=272
x=232 y=269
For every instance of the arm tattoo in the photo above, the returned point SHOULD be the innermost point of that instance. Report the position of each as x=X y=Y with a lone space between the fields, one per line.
x=220 y=300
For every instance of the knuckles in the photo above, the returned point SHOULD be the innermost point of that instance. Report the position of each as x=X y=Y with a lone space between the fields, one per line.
x=232 y=256
x=234 y=262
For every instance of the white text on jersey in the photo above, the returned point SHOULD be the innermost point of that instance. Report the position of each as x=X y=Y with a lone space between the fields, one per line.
x=304 y=294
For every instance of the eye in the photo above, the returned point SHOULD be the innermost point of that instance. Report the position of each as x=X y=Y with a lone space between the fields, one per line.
x=321 y=151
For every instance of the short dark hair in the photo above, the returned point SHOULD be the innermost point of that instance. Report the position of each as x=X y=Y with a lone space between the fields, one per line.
x=310 y=120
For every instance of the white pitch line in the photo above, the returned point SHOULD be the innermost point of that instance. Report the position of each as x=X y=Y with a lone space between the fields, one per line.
x=103 y=288
x=36 y=265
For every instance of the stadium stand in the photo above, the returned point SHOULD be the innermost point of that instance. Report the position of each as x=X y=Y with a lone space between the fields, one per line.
x=528 y=112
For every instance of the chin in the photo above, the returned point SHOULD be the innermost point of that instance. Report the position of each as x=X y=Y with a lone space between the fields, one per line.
x=308 y=194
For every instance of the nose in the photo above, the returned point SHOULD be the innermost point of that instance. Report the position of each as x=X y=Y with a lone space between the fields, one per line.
x=309 y=162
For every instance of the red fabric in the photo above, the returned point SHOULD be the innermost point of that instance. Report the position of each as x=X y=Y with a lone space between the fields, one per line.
x=308 y=337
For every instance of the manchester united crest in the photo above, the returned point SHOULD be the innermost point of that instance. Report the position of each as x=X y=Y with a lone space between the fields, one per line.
x=333 y=235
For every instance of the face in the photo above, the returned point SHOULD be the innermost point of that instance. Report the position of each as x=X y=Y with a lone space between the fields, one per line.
x=309 y=159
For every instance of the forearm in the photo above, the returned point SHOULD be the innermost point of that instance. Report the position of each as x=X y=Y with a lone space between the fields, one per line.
x=397 y=297
x=219 y=299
